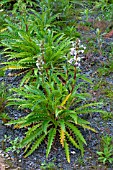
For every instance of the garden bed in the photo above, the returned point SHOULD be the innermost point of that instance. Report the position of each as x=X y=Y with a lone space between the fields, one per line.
x=101 y=90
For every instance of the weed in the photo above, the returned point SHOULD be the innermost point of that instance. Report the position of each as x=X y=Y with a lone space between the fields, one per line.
x=14 y=144
x=5 y=117
x=106 y=153
x=3 y=97
x=49 y=166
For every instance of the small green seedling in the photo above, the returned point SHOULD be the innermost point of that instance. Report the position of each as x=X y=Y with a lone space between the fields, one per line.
x=106 y=153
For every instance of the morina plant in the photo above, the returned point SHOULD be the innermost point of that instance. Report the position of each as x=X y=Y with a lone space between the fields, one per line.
x=28 y=38
x=55 y=105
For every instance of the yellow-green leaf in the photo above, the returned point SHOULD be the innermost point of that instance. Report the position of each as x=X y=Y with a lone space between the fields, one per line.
x=67 y=151
x=62 y=137
x=65 y=100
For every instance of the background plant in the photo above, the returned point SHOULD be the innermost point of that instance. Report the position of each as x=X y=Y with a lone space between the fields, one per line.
x=35 y=34
x=49 y=166
x=3 y=101
x=3 y=97
x=14 y=144
x=106 y=8
x=23 y=51
x=106 y=153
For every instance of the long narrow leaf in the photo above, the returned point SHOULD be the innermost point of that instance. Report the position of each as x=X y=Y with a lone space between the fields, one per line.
x=51 y=136
x=67 y=151
x=35 y=145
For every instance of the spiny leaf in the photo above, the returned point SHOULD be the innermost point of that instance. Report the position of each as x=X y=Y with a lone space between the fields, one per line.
x=26 y=77
x=88 y=127
x=74 y=117
x=13 y=67
x=45 y=125
x=30 y=130
x=29 y=138
x=72 y=140
x=86 y=79
x=35 y=145
x=82 y=121
x=51 y=135
x=4 y=29
x=27 y=147
x=67 y=151
x=19 y=121
x=61 y=122
x=62 y=137
x=90 y=110
x=80 y=145
x=76 y=131
x=88 y=105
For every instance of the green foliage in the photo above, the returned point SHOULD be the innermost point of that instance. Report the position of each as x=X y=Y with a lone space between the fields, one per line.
x=51 y=88
x=106 y=153
x=3 y=97
x=51 y=115
x=3 y=101
x=31 y=40
x=107 y=69
x=107 y=116
x=106 y=8
x=48 y=165
x=14 y=144
x=22 y=50
x=5 y=117
x=17 y=4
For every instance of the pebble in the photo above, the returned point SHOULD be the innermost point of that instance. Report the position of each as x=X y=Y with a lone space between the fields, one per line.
x=6 y=155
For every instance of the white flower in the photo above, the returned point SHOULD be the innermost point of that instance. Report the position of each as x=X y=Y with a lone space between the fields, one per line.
x=75 y=51
x=78 y=59
x=39 y=63
x=72 y=52
x=77 y=64
x=71 y=61
x=81 y=51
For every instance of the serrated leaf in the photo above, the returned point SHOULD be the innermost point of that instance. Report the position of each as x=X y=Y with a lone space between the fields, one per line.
x=86 y=79
x=74 y=117
x=30 y=138
x=88 y=127
x=30 y=130
x=4 y=29
x=26 y=78
x=80 y=145
x=72 y=140
x=51 y=136
x=35 y=145
x=88 y=105
x=62 y=137
x=45 y=125
x=67 y=151
x=76 y=131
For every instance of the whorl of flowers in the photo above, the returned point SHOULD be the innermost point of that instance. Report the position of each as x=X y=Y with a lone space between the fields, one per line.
x=40 y=60
x=39 y=63
x=76 y=49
